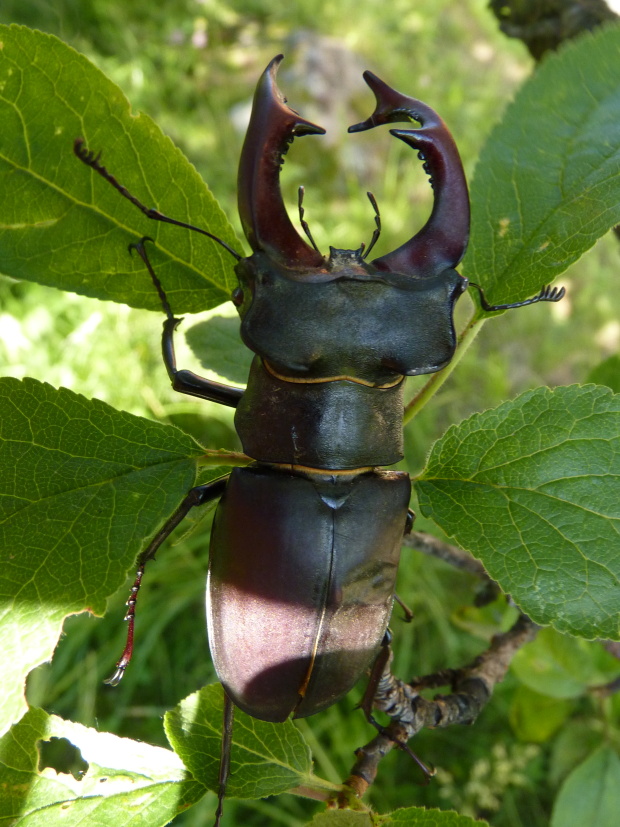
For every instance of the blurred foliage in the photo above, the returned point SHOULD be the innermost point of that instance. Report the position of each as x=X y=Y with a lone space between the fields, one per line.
x=192 y=65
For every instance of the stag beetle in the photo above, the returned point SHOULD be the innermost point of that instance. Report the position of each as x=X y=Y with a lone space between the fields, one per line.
x=306 y=540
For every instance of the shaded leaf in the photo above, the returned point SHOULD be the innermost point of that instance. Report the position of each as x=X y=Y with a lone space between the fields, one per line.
x=216 y=342
x=418 y=817
x=547 y=183
x=407 y=817
x=81 y=487
x=590 y=796
x=532 y=488
x=561 y=666
x=127 y=782
x=572 y=746
x=344 y=818
x=607 y=373
x=535 y=717
x=63 y=225
x=266 y=758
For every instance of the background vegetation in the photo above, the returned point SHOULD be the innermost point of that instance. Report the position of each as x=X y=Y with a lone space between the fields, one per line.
x=192 y=66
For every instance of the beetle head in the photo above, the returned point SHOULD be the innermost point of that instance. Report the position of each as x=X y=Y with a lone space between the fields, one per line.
x=390 y=315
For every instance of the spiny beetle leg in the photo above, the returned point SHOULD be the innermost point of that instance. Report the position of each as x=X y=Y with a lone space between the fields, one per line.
x=378 y=668
x=92 y=160
x=547 y=294
x=379 y=683
x=199 y=495
x=183 y=381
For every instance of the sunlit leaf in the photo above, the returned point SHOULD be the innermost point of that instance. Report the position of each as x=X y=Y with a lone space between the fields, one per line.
x=547 y=183
x=126 y=782
x=63 y=225
x=82 y=486
x=265 y=759
x=532 y=488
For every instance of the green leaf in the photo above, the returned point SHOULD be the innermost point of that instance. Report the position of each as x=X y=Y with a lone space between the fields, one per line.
x=532 y=488
x=547 y=184
x=536 y=718
x=418 y=817
x=81 y=487
x=217 y=343
x=572 y=745
x=607 y=373
x=265 y=759
x=127 y=782
x=590 y=796
x=344 y=818
x=407 y=817
x=61 y=224
x=561 y=666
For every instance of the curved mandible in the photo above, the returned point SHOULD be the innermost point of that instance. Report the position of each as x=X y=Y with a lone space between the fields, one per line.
x=266 y=224
x=442 y=242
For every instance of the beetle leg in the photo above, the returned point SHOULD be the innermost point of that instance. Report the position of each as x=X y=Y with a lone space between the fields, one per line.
x=199 y=495
x=184 y=381
x=380 y=685
x=441 y=243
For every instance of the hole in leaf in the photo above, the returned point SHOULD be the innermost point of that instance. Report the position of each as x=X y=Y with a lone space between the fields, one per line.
x=61 y=755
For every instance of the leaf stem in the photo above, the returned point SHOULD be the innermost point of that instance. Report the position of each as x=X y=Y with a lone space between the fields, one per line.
x=469 y=333
x=215 y=457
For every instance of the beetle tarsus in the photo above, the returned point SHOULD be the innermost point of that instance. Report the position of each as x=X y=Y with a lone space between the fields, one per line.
x=116 y=678
x=547 y=294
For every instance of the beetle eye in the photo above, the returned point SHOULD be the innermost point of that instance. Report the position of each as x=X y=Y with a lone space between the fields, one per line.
x=237 y=297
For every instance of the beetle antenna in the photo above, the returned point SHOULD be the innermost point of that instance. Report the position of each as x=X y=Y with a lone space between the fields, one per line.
x=547 y=294
x=91 y=160
x=300 y=200
x=377 y=230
